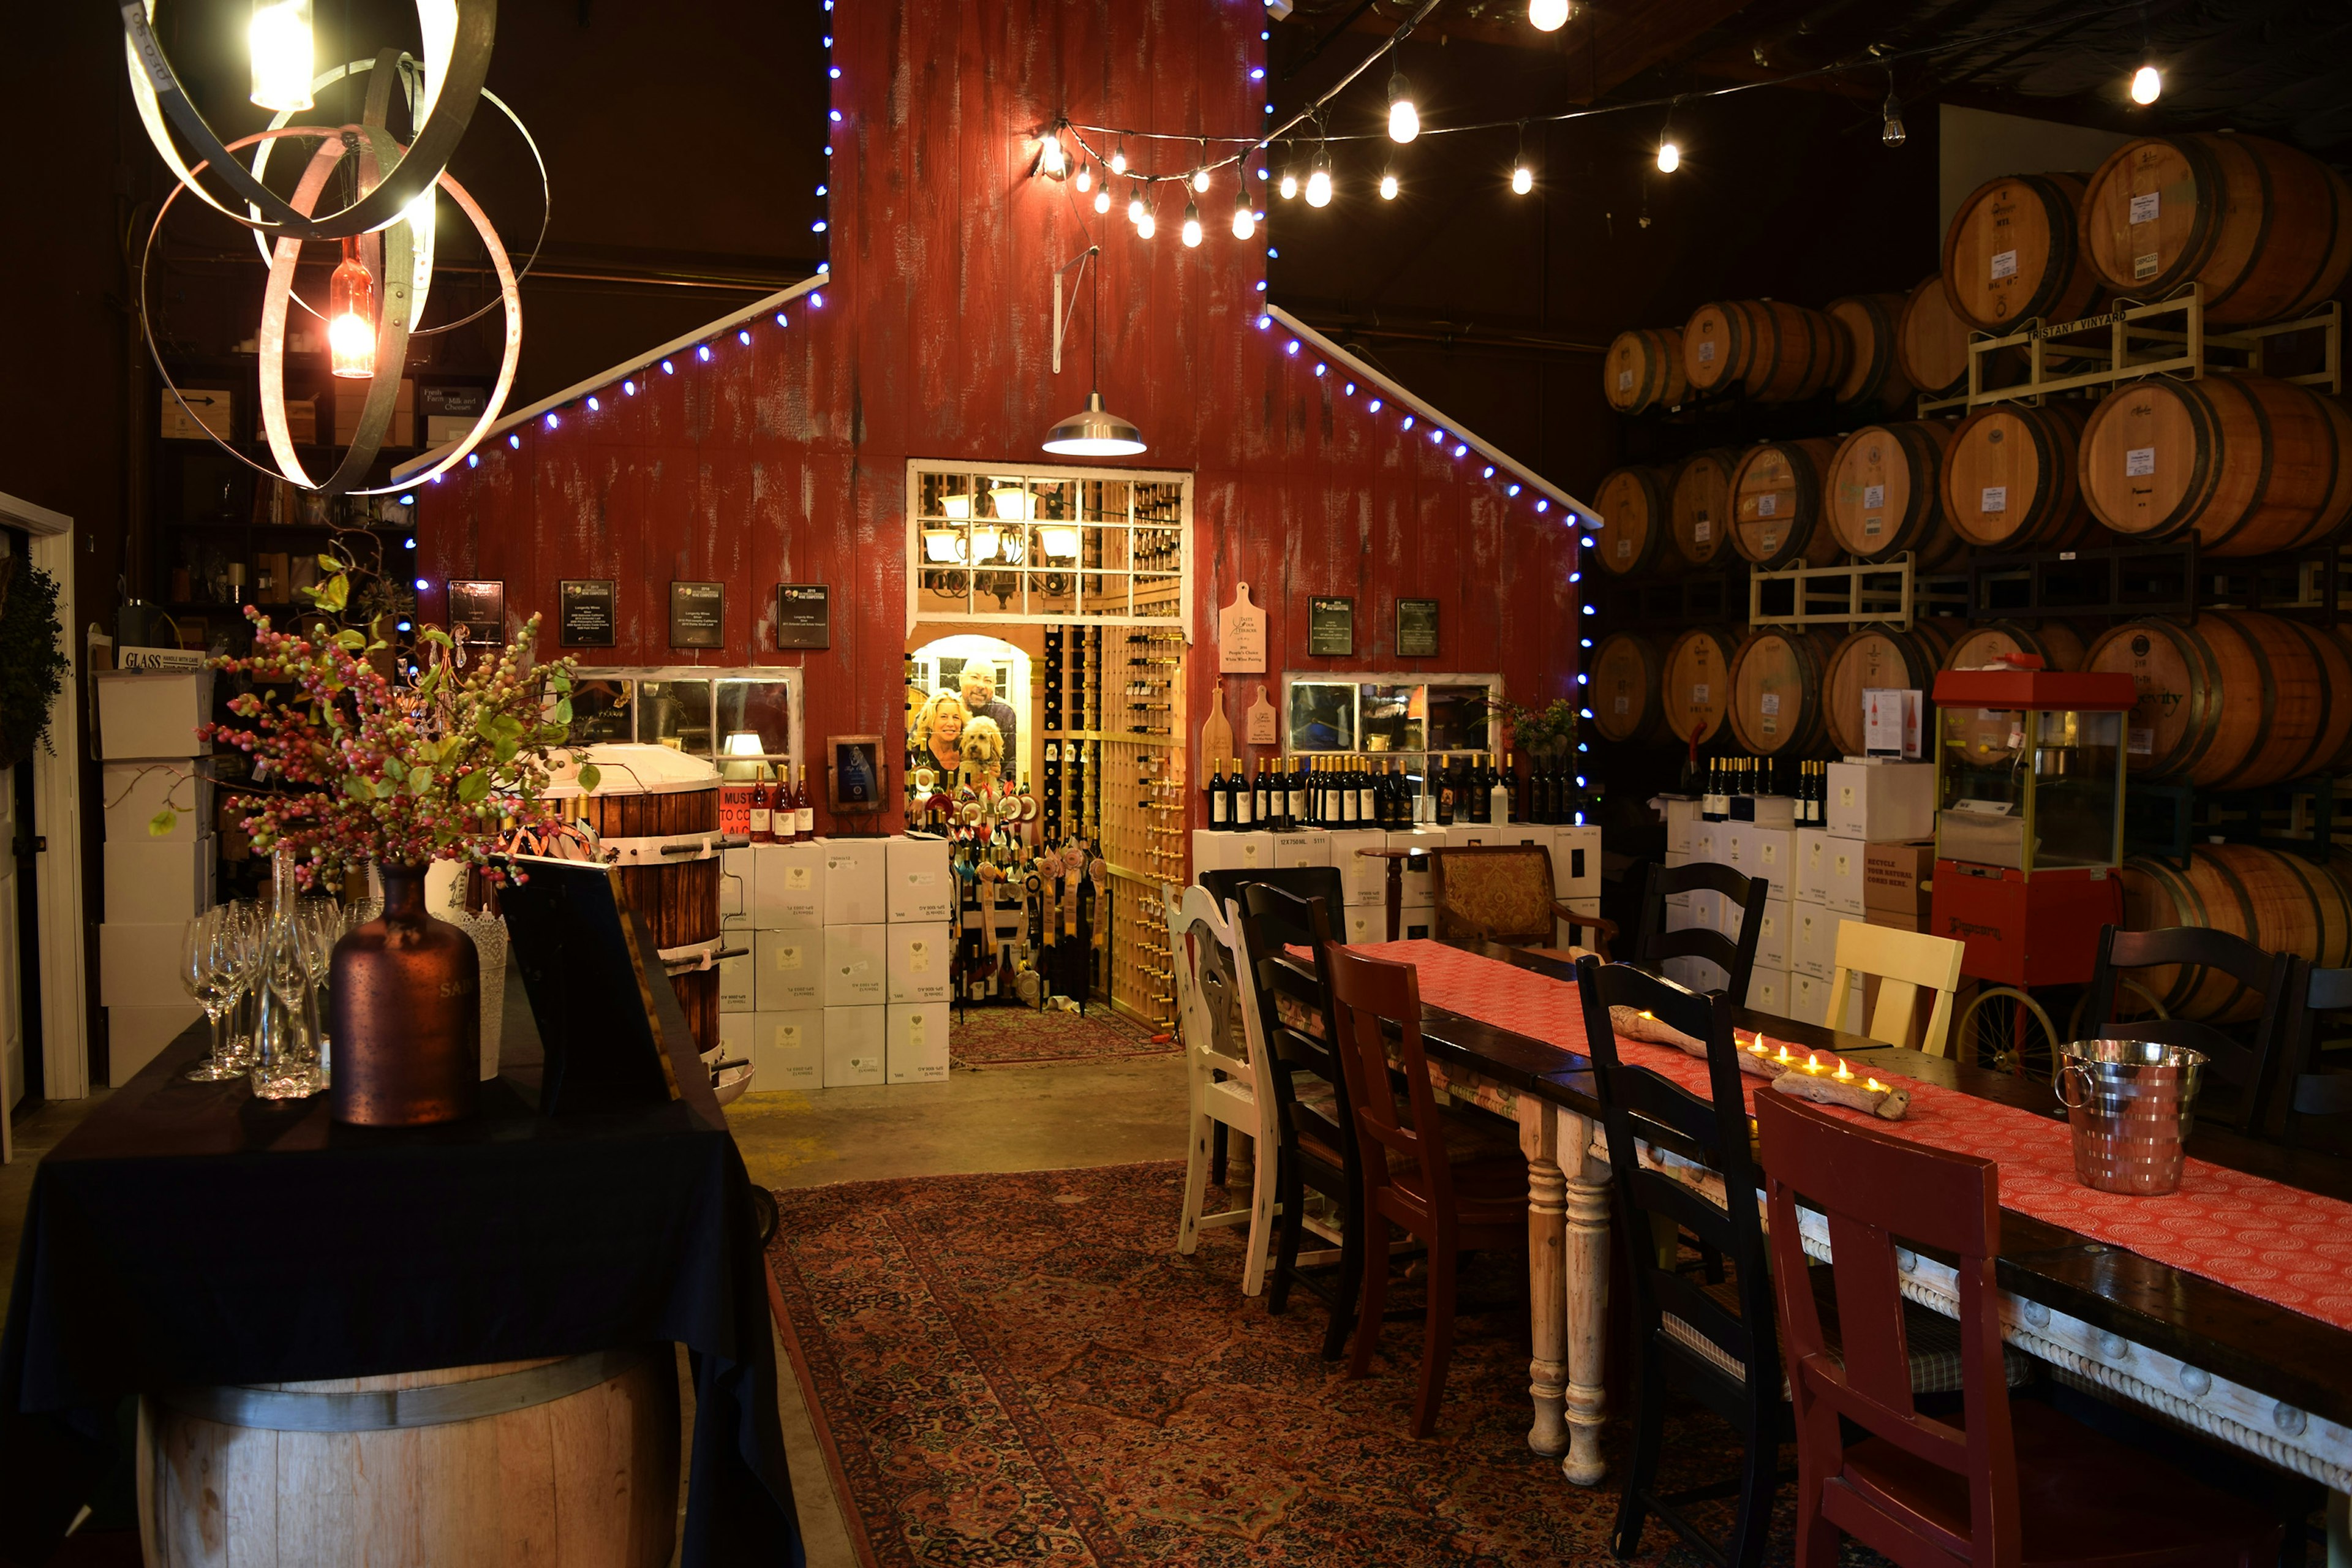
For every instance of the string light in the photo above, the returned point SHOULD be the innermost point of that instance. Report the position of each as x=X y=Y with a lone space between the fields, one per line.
x=1404 y=119
x=1244 y=218
x=1147 y=226
x=1136 y=212
x=1084 y=178
x=1289 y=187
x=1523 y=179
x=1547 y=15
x=1118 y=157
x=1318 y=179
x=1388 y=183
x=1102 y=198
x=1200 y=174
x=1670 y=156
x=2146 y=84
x=1192 y=230
x=279 y=38
x=1892 y=132
x=1052 y=162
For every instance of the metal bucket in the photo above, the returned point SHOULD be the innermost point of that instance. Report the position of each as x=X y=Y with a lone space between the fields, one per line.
x=2131 y=1106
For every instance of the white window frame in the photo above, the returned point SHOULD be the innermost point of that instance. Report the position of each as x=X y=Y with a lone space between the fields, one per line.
x=1359 y=679
x=923 y=607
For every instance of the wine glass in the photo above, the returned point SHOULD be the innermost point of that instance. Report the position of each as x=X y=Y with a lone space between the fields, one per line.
x=322 y=925
x=205 y=972
x=241 y=931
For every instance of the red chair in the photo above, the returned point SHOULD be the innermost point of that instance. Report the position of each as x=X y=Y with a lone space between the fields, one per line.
x=2017 y=1482
x=1455 y=1182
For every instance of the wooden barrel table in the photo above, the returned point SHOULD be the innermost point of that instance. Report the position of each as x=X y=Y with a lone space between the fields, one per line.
x=1625 y=668
x=2010 y=478
x=1881 y=657
x=2280 y=904
x=1643 y=370
x=1698 y=506
x=2231 y=700
x=570 y=1461
x=2248 y=464
x=1636 y=539
x=2264 y=231
x=660 y=809
x=1772 y=350
x=1694 y=683
x=1778 y=686
x=1776 y=504
x=1874 y=383
x=2013 y=253
x=1884 y=492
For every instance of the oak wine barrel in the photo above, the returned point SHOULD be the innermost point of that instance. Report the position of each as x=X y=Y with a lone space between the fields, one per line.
x=1643 y=370
x=2280 y=904
x=492 y=1465
x=1773 y=352
x=2263 y=230
x=2013 y=253
x=2010 y=478
x=1779 y=691
x=1776 y=504
x=1875 y=657
x=1931 y=341
x=2059 y=646
x=1884 y=492
x=2248 y=464
x=1633 y=539
x=1874 y=382
x=2232 y=701
x=1626 y=669
x=1698 y=505
x=1694 y=683
x=652 y=792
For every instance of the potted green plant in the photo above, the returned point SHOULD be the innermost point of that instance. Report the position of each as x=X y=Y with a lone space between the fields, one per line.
x=33 y=662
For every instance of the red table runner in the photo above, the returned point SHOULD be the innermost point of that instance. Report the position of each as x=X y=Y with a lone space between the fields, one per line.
x=2272 y=1241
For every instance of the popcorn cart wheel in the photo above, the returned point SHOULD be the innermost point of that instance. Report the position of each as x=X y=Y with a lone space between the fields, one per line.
x=2030 y=772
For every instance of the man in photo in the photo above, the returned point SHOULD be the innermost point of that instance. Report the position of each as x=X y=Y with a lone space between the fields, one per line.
x=980 y=700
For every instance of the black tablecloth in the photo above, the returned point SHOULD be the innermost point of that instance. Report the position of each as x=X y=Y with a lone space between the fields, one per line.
x=188 y=1234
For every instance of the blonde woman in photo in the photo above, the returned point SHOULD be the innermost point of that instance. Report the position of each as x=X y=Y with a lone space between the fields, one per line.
x=939 y=732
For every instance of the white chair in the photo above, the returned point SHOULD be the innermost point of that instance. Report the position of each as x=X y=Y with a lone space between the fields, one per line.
x=1906 y=963
x=1216 y=1007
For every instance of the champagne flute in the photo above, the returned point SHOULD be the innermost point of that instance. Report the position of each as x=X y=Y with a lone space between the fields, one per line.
x=204 y=972
x=241 y=937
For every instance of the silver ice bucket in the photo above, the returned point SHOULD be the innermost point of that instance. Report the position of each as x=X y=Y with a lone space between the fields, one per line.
x=2131 y=1104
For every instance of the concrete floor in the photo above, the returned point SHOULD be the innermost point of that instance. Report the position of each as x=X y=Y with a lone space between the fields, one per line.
x=1004 y=1119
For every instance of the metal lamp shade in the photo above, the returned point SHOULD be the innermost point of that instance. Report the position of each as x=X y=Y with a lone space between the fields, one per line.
x=1095 y=432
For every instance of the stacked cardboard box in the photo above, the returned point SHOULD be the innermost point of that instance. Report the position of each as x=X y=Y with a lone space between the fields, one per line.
x=155 y=884
x=845 y=979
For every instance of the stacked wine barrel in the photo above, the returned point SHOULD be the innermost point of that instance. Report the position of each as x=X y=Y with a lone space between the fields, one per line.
x=2243 y=464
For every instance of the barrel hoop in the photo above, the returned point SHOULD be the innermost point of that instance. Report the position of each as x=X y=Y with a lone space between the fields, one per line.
x=2319 y=955
x=2053 y=470
x=2205 y=234
x=2204 y=471
x=2190 y=906
x=395 y=1409
x=2061 y=247
x=2205 y=696
x=2310 y=754
x=667 y=849
x=2251 y=927
x=2260 y=657
x=2261 y=230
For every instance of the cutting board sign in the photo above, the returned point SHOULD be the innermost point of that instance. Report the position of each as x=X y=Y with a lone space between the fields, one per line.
x=1262 y=731
x=1241 y=636
x=1216 y=734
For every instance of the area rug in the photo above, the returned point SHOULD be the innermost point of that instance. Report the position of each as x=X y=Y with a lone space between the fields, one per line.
x=1012 y=1369
x=1023 y=1037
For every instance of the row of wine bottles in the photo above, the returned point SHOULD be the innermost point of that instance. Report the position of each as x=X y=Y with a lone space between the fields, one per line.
x=768 y=810
x=1352 y=791
x=1721 y=782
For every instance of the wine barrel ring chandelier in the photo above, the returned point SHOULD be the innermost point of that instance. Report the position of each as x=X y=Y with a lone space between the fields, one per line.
x=385 y=228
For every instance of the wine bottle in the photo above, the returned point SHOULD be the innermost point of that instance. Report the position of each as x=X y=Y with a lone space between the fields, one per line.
x=804 y=808
x=1474 y=788
x=1245 y=802
x=1220 y=803
x=763 y=814
x=1445 y=784
x=1501 y=806
x=1294 y=810
x=1262 y=800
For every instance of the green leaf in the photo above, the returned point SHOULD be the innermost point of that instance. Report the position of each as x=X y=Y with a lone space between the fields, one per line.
x=472 y=786
x=561 y=713
x=351 y=642
x=393 y=768
x=553 y=734
x=435 y=634
x=504 y=750
x=357 y=788
x=386 y=789
x=329 y=563
x=590 y=775
x=160 y=825
x=334 y=593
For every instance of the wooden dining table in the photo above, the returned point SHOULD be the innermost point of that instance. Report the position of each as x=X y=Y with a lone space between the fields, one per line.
x=2263 y=1378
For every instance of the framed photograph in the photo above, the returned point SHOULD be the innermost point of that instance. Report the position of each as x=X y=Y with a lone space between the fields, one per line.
x=854 y=780
x=477 y=610
x=804 y=616
x=697 y=615
x=584 y=611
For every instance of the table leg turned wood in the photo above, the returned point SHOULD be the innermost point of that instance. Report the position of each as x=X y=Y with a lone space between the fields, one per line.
x=1395 y=895
x=1586 y=1272
x=1547 y=1290
x=2340 y=1529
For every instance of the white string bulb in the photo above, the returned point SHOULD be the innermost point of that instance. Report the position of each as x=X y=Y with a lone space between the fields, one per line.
x=2146 y=84
x=1136 y=211
x=1200 y=179
x=1244 y=220
x=1192 y=230
x=1147 y=226
x=1052 y=162
x=1102 y=198
x=1289 y=187
x=1547 y=15
x=1892 y=132
x=1084 y=178
x=1319 y=180
x=1670 y=157
x=1118 y=157
x=1404 y=119
x=1388 y=184
x=1523 y=179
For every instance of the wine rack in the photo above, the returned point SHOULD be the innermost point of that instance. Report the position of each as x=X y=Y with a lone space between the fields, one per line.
x=1144 y=802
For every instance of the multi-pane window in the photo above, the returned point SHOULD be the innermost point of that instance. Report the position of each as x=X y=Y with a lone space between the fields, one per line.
x=1032 y=544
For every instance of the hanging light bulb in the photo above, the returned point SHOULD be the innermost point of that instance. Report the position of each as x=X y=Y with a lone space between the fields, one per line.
x=1523 y=179
x=351 y=317
x=1892 y=132
x=1244 y=218
x=2146 y=84
x=1102 y=198
x=1289 y=187
x=1118 y=157
x=1319 y=180
x=1670 y=157
x=1084 y=178
x=1147 y=226
x=278 y=37
x=1052 y=162
x=1136 y=211
x=1192 y=230
x=1547 y=15
x=1389 y=183
x=1200 y=174
x=1404 y=119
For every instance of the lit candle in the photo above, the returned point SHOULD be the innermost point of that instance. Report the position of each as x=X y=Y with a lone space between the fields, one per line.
x=1843 y=1073
x=1874 y=1085
x=1783 y=1055
x=1812 y=1062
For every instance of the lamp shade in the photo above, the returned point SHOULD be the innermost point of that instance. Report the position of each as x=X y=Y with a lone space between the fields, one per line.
x=1094 y=432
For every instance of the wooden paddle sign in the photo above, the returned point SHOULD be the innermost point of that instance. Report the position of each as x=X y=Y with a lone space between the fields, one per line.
x=1241 y=636
x=1261 y=721
x=1216 y=733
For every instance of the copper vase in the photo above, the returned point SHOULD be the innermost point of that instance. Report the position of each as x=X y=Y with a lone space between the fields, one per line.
x=404 y=992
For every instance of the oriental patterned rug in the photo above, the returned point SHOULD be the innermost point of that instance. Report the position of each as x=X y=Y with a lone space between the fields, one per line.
x=1010 y=1369
x=1023 y=1037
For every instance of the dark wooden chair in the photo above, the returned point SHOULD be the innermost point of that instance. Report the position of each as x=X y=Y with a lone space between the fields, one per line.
x=1447 y=1180
x=1310 y=1087
x=2247 y=1070
x=2312 y=1091
x=1653 y=943
x=2014 y=1482
x=1503 y=893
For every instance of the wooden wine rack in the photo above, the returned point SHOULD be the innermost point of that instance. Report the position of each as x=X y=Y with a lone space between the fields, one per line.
x=1144 y=800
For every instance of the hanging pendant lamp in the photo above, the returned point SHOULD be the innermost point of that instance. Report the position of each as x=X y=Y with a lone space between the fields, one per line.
x=1094 y=431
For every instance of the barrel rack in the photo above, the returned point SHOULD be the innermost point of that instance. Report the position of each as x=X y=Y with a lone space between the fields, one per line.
x=1892 y=591
x=2164 y=337
x=2160 y=817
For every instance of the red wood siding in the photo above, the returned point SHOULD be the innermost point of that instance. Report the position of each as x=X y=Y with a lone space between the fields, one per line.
x=785 y=460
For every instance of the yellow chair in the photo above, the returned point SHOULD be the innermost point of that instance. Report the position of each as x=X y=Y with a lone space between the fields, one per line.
x=1906 y=962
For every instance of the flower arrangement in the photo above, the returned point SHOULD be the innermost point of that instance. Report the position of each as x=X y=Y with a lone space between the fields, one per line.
x=358 y=762
x=1542 y=731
